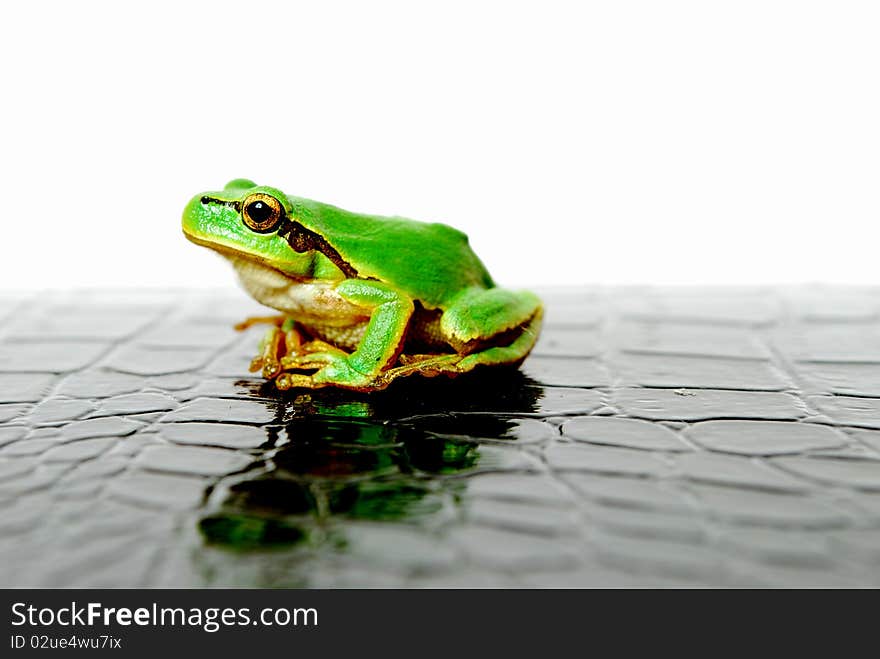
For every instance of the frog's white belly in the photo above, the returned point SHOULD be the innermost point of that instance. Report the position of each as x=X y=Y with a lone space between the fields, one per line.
x=309 y=302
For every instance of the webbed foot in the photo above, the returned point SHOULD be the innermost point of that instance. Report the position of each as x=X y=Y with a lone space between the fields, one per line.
x=281 y=343
x=332 y=367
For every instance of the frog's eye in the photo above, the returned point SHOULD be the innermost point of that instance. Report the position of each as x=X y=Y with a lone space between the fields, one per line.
x=262 y=212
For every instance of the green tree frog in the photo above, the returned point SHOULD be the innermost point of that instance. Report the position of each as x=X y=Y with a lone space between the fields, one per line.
x=364 y=299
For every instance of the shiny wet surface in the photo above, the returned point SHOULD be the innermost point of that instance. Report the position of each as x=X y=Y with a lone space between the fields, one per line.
x=654 y=437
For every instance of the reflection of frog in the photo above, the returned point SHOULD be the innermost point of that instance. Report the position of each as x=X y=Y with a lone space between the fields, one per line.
x=378 y=297
x=384 y=457
x=322 y=473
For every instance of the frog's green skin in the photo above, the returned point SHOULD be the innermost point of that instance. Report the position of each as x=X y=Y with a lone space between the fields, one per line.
x=383 y=297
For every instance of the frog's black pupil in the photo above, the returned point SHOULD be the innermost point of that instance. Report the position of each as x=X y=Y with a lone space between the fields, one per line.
x=259 y=211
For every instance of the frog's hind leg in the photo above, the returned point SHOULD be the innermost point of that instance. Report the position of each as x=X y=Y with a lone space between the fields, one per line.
x=512 y=354
x=483 y=318
x=455 y=364
x=486 y=327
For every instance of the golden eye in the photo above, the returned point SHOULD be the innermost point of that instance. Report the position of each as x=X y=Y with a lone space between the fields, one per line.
x=262 y=212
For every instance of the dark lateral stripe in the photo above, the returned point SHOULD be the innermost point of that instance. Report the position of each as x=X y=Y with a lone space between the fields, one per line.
x=301 y=240
x=223 y=202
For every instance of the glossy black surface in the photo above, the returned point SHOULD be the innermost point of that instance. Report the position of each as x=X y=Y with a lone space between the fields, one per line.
x=655 y=437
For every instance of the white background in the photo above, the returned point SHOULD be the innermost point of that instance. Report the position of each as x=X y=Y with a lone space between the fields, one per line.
x=666 y=142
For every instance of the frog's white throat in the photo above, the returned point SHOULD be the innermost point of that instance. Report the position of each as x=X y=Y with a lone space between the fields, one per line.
x=313 y=300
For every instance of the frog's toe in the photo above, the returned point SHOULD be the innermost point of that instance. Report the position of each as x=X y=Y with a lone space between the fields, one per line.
x=330 y=370
x=310 y=360
x=282 y=341
x=268 y=367
x=341 y=372
x=287 y=381
x=267 y=361
x=427 y=365
x=318 y=346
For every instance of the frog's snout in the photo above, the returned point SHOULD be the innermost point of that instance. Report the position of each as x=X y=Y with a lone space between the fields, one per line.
x=198 y=217
x=191 y=214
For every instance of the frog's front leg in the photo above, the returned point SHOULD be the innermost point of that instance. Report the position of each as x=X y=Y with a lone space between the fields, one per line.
x=390 y=312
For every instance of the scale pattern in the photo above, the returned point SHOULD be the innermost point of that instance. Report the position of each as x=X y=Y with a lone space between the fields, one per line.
x=654 y=438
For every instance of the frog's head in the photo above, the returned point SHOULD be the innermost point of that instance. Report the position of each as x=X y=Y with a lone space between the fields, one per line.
x=245 y=221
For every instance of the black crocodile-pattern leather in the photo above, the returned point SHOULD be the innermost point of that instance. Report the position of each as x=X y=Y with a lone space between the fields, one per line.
x=655 y=437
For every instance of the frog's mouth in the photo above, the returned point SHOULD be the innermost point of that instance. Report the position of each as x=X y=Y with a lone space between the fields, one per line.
x=234 y=254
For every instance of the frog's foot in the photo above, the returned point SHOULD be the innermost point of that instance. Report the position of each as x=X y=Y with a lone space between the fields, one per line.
x=427 y=365
x=278 y=342
x=406 y=359
x=287 y=381
x=267 y=361
x=311 y=356
x=332 y=368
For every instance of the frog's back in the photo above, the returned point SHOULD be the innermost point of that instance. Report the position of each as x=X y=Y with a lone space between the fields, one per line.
x=431 y=262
